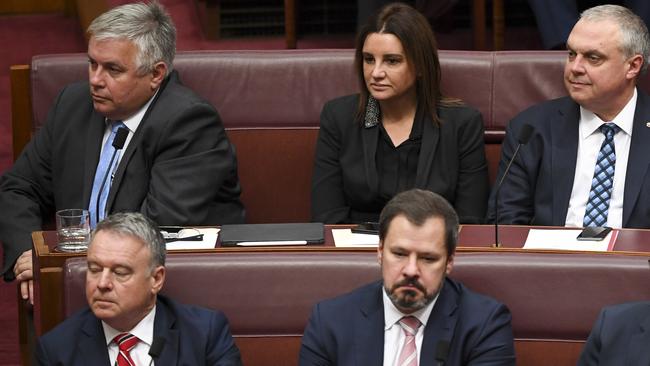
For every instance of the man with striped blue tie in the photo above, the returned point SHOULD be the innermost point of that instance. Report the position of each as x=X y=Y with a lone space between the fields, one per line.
x=587 y=162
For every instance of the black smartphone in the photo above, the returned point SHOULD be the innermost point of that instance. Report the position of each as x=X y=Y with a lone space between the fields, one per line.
x=366 y=228
x=594 y=233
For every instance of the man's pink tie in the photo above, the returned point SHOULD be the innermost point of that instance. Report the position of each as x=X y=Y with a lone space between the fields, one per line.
x=409 y=354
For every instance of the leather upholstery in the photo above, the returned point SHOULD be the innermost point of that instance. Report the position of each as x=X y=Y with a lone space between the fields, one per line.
x=552 y=297
x=270 y=102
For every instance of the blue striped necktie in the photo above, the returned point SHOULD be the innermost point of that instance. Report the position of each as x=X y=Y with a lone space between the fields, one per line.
x=601 y=185
x=102 y=168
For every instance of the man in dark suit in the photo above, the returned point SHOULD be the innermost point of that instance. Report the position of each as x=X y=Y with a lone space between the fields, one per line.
x=416 y=315
x=177 y=165
x=605 y=119
x=126 y=270
x=620 y=337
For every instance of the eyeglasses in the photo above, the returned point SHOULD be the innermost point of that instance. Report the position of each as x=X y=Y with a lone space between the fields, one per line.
x=188 y=234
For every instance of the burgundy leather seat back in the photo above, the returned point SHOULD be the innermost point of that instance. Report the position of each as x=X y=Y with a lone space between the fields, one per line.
x=555 y=296
x=468 y=75
x=525 y=78
x=551 y=296
x=261 y=293
x=265 y=89
x=286 y=88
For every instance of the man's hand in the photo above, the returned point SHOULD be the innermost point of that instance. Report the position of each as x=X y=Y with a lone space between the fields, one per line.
x=25 y=275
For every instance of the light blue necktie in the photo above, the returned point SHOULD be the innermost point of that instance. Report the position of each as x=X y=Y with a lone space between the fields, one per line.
x=603 y=180
x=102 y=167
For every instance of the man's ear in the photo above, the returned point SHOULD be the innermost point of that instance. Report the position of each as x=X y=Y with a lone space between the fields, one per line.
x=158 y=74
x=635 y=63
x=450 y=264
x=158 y=279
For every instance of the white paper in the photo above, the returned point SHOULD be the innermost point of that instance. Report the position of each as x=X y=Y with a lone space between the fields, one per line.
x=271 y=243
x=346 y=238
x=565 y=239
x=209 y=240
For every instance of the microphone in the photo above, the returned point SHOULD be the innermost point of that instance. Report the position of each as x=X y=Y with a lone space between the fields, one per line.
x=156 y=348
x=442 y=351
x=118 y=144
x=524 y=135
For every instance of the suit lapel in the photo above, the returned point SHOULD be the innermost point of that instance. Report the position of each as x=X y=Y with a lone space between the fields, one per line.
x=639 y=155
x=564 y=154
x=430 y=139
x=135 y=143
x=370 y=329
x=92 y=349
x=441 y=324
x=637 y=349
x=94 y=136
x=164 y=327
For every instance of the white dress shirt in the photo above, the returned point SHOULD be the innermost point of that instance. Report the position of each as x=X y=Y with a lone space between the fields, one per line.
x=589 y=141
x=393 y=332
x=143 y=330
x=131 y=123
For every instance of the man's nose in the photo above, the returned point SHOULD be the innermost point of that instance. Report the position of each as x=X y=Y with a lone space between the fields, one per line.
x=411 y=266
x=95 y=77
x=105 y=280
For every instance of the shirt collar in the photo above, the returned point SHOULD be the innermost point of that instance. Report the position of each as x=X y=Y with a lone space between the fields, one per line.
x=392 y=315
x=143 y=330
x=133 y=122
x=590 y=122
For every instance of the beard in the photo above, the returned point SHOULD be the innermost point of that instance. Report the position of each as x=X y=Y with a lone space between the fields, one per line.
x=407 y=300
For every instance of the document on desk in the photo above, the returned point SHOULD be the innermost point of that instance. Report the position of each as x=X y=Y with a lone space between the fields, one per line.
x=566 y=239
x=272 y=234
x=208 y=241
x=346 y=238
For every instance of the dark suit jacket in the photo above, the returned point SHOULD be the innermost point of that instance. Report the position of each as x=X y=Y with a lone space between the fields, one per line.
x=193 y=336
x=178 y=169
x=349 y=330
x=538 y=187
x=620 y=337
x=345 y=181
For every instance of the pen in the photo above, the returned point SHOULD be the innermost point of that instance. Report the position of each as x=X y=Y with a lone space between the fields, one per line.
x=198 y=237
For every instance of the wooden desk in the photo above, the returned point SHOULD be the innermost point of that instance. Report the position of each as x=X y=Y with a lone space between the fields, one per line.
x=49 y=277
x=489 y=264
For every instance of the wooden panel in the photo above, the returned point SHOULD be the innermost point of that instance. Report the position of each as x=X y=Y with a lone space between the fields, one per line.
x=21 y=107
x=33 y=6
x=261 y=350
x=88 y=10
x=290 y=23
x=544 y=353
x=478 y=24
x=275 y=167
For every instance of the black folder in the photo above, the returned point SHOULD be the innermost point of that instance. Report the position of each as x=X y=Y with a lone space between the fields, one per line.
x=311 y=233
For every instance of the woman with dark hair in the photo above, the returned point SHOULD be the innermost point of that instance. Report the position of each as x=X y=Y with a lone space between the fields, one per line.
x=399 y=132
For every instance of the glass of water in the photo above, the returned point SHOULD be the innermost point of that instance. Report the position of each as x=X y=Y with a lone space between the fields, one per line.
x=73 y=230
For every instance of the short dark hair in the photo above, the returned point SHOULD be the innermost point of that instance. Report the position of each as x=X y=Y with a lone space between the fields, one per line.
x=419 y=205
x=140 y=227
x=420 y=47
